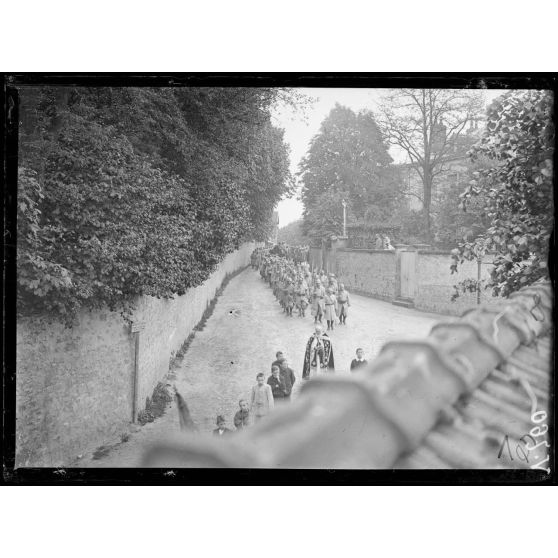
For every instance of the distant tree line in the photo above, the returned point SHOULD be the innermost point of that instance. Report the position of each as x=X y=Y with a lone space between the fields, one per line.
x=501 y=199
x=293 y=234
x=140 y=191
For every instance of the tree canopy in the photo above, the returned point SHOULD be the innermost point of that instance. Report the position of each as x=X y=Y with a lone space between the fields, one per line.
x=131 y=191
x=450 y=223
x=293 y=235
x=347 y=160
x=428 y=125
x=516 y=188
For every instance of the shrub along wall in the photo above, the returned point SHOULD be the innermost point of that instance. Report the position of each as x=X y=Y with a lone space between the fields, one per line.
x=75 y=386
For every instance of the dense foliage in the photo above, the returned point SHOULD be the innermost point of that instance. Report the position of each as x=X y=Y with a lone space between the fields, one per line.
x=127 y=191
x=429 y=126
x=451 y=223
x=293 y=234
x=324 y=219
x=347 y=160
x=517 y=189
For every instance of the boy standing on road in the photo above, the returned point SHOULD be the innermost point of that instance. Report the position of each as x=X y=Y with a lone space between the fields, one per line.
x=221 y=430
x=288 y=378
x=242 y=416
x=275 y=381
x=359 y=361
x=261 y=400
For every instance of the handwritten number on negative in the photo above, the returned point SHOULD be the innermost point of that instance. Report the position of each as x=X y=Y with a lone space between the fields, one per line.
x=519 y=451
x=505 y=442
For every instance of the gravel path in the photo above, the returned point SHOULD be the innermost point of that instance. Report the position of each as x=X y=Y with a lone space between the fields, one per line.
x=241 y=338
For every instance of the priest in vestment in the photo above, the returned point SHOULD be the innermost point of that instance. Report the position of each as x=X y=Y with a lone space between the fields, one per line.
x=318 y=357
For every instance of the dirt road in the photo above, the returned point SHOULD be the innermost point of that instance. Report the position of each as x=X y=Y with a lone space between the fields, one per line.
x=241 y=338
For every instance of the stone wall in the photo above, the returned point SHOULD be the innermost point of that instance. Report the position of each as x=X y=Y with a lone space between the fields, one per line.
x=315 y=257
x=169 y=322
x=375 y=273
x=370 y=272
x=75 y=386
x=435 y=284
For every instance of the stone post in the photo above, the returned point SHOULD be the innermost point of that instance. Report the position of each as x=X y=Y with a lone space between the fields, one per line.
x=398 y=249
x=336 y=243
x=399 y=299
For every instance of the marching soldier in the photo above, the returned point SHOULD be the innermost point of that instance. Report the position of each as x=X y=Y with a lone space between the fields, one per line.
x=333 y=283
x=344 y=303
x=330 y=303
x=318 y=295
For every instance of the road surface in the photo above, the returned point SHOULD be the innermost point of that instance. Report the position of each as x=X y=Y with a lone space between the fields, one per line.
x=241 y=338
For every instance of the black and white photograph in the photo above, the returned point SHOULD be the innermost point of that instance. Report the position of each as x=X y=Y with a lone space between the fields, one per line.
x=282 y=275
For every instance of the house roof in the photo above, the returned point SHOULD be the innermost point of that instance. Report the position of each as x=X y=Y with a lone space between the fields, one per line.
x=485 y=427
x=445 y=401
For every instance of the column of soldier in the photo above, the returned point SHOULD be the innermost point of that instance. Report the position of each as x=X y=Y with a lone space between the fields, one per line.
x=297 y=287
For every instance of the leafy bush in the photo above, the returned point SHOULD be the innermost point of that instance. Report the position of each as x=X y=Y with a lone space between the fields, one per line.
x=517 y=188
x=127 y=192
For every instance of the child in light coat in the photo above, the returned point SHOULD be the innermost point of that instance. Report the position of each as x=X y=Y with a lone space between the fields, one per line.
x=261 y=398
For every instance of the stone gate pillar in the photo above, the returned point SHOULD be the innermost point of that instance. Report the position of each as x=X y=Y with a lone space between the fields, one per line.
x=406 y=272
x=339 y=242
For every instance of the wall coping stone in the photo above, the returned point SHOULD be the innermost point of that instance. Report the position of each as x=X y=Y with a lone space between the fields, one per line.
x=371 y=250
x=434 y=252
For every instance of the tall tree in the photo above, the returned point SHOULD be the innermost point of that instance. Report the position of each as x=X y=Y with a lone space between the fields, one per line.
x=326 y=217
x=348 y=160
x=516 y=188
x=427 y=124
x=129 y=191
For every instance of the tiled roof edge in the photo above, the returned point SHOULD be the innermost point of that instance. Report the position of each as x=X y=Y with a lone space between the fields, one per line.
x=369 y=419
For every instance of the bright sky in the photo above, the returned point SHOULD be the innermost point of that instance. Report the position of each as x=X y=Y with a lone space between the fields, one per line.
x=299 y=129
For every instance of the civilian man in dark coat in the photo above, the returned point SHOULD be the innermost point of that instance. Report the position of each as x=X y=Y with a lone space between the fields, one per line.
x=277 y=384
x=288 y=377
